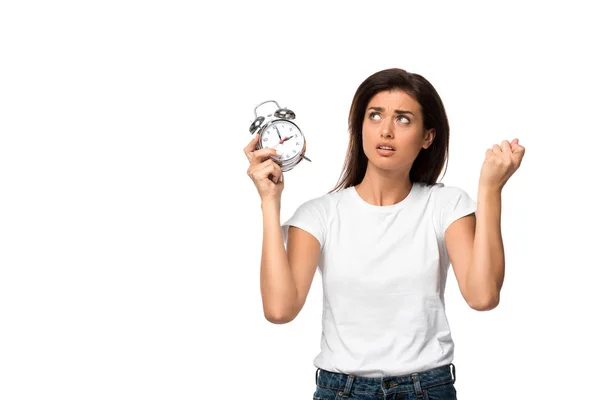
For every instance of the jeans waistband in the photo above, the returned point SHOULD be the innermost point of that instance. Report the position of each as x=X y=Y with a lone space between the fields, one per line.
x=414 y=382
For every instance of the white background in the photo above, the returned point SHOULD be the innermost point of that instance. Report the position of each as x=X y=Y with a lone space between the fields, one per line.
x=130 y=234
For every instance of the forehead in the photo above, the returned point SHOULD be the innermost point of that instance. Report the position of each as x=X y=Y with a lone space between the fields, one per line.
x=394 y=99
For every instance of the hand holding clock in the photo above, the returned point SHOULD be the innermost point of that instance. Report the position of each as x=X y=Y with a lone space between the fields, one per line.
x=264 y=172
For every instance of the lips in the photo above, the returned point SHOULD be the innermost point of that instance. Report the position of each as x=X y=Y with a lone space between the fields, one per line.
x=387 y=145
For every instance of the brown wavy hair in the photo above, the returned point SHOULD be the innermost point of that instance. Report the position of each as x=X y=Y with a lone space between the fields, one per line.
x=429 y=163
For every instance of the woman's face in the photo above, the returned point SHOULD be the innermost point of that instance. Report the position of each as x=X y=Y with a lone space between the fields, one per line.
x=394 y=118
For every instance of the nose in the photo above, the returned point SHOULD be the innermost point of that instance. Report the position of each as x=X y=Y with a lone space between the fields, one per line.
x=387 y=129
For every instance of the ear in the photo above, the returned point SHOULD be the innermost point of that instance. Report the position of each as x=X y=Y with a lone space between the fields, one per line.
x=428 y=138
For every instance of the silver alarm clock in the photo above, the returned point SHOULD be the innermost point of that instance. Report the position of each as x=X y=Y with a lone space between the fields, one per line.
x=279 y=132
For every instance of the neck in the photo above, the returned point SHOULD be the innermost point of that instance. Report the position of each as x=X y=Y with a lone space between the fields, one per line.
x=384 y=188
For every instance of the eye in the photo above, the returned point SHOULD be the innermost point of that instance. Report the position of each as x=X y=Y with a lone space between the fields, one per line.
x=371 y=114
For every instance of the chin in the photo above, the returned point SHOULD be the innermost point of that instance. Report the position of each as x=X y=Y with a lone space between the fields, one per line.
x=391 y=163
x=387 y=165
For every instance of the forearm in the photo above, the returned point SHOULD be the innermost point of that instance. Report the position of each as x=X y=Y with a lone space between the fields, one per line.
x=486 y=272
x=277 y=286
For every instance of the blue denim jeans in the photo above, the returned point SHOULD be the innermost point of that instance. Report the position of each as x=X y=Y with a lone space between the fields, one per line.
x=433 y=384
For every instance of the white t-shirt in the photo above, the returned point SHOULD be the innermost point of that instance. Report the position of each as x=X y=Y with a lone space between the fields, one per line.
x=384 y=271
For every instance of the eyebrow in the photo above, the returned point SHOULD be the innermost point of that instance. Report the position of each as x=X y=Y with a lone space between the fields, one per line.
x=380 y=109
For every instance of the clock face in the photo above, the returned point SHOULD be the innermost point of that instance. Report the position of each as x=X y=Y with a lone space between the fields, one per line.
x=285 y=137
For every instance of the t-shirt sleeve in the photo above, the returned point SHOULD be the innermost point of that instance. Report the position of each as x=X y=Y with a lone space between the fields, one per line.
x=453 y=203
x=310 y=217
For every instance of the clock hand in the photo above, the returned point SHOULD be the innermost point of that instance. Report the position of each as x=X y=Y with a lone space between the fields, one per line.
x=278 y=134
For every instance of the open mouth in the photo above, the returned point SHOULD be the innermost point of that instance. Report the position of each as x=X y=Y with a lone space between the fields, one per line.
x=385 y=150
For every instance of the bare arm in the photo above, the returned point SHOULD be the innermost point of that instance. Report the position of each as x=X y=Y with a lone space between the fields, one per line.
x=486 y=273
x=285 y=278
x=276 y=283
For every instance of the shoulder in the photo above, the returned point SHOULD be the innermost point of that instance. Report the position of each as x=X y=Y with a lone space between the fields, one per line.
x=319 y=207
x=325 y=201
x=450 y=201
x=443 y=193
x=429 y=193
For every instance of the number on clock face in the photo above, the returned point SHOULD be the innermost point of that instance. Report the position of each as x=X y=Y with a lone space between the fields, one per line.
x=285 y=137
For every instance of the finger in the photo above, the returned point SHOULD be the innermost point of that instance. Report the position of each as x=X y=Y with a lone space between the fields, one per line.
x=519 y=150
x=506 y=147
x=267 y=168
x=259 y=172
x=251 y=146
x=255 y=156
x=258 y=156
x=496 y=149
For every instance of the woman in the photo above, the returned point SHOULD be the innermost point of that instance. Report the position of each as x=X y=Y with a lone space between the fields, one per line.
x=384 y=238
